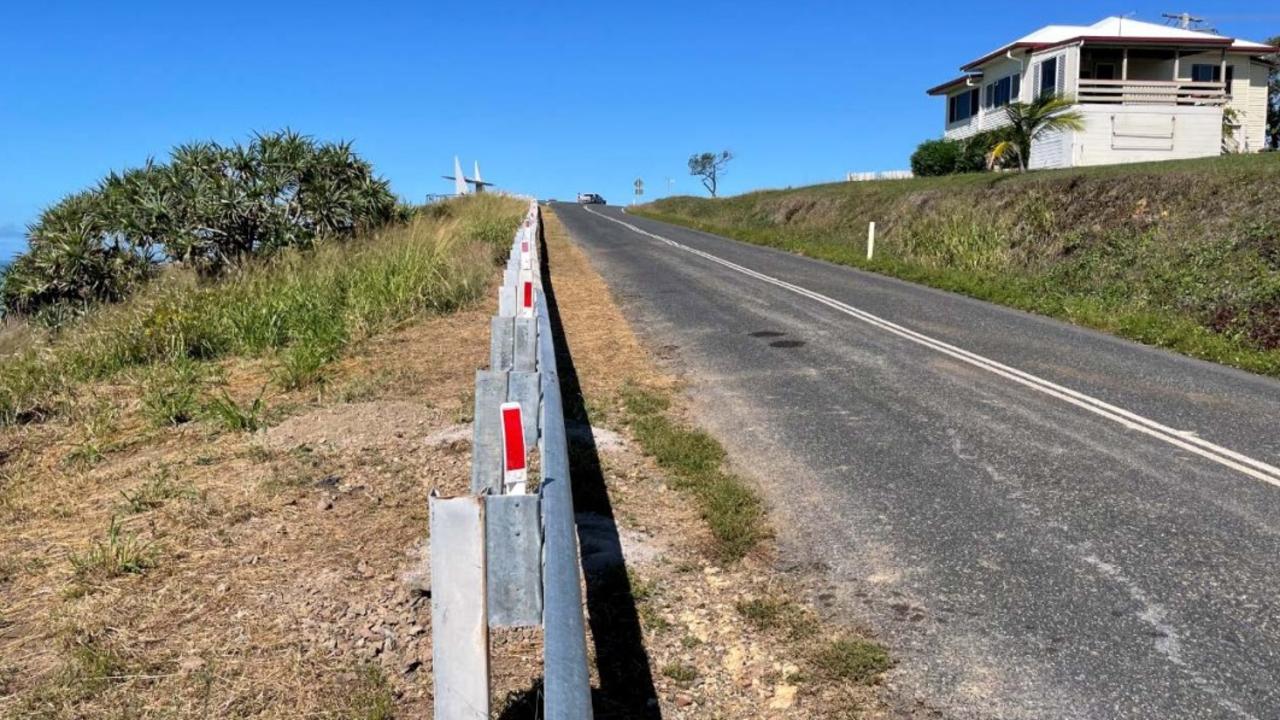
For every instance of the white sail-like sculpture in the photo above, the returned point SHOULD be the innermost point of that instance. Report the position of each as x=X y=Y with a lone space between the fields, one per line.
x=459 y=180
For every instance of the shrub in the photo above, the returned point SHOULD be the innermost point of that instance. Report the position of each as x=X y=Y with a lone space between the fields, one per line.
x=936 y=157
x=208 y=207
x=948 y=157
x=973 y=154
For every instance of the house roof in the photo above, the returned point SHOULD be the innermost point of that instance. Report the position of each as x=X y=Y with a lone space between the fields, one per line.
x=944 y=87
x=1118 y=29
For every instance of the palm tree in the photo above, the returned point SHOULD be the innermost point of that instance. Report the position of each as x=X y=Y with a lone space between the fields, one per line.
x=1028 y=121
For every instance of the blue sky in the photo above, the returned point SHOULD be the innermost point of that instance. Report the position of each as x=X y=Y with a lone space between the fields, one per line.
x=585 y=96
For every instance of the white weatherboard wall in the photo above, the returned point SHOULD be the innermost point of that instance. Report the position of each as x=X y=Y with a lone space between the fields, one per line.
x=1133 y=133
x=1251 y=102
x=1115 y=134
x=1052 y=150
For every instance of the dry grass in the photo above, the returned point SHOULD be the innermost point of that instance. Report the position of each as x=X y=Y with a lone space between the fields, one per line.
x=203 y=571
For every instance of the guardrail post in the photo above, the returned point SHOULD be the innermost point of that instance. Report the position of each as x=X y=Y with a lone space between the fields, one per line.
x=525 y=344
x=526 y=389
x=513 y=536
x=501 y=343
x=507 y=294
x=459 y=621
x=486 y=432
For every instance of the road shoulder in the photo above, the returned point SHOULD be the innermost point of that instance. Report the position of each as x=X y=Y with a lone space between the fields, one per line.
x=714 y=635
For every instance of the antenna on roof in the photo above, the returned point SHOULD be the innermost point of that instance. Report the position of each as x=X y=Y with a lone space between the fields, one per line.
x=1186 y=21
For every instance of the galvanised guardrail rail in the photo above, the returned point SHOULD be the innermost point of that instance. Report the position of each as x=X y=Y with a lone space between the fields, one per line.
x=500 y=555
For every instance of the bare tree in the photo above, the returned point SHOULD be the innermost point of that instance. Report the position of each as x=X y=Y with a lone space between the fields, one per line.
x=709 y=167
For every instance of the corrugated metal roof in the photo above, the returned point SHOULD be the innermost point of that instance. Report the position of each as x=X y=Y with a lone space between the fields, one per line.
x=1120 y=29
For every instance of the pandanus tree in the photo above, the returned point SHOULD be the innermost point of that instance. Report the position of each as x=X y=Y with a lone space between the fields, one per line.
x=1031 y=121
x=209 y=207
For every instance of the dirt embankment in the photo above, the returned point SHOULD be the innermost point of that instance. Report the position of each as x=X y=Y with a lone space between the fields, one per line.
x=277 y=573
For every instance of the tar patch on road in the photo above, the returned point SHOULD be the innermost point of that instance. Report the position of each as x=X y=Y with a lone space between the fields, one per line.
x=777 y=343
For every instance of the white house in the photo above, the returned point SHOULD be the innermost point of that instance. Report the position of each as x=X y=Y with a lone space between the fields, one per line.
x=1147 y=91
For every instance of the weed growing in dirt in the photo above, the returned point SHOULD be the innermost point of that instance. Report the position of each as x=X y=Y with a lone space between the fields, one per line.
x=153 y=493
x=777 y=614
x=681 y=672
x=121 y=553
x=727 y=504
x=232 y=416
x=372 y=698
x=466 y=409
x=851 y=660
x=365 y=387
x=97 y=423
x=651 y=619
x=641 y=589
x=171 y=391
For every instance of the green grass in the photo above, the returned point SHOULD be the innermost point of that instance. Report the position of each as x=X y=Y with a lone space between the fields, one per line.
x=121 y=553
x=171 y=391
x=781 y=614
x=694 y=461
x=233 y=416
x=850 y=660
x=153 y=493
x=299 y=309
x=681 y=672
x=1183 y=255
x=372 y=698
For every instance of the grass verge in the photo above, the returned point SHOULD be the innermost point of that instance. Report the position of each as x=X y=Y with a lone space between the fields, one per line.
x=694 y=461
x=1182 y=255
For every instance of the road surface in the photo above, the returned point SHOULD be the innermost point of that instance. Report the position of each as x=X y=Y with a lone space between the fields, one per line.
x=1041 y=521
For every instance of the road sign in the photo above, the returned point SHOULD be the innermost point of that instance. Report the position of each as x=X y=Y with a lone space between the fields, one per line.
x=639 y=186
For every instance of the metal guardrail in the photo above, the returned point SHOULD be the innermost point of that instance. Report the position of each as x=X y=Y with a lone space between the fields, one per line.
x=500 y=556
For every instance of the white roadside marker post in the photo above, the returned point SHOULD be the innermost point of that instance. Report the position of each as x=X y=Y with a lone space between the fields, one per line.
x=871 y=239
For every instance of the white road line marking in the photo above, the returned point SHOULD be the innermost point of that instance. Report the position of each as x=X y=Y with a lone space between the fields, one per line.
x=1183 y=439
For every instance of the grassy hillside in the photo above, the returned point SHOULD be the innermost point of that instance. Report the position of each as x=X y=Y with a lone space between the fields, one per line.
x=299 y=309
x=1183 y=255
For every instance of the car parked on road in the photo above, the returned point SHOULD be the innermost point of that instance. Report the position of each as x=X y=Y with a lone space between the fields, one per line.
x=590 y=199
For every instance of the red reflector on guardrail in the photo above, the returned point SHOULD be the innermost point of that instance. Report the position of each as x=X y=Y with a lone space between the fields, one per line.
x=515 y=460
x=528 y=294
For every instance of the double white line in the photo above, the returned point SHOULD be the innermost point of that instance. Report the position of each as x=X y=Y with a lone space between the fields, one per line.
x=1187 y=441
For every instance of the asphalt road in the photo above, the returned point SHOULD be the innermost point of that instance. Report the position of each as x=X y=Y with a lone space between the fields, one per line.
x=1041 y=521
